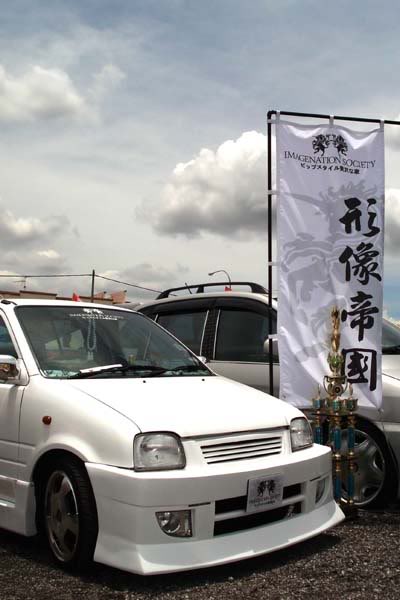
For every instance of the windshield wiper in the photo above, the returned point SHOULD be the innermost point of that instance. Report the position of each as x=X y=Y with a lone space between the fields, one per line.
x=182 y=369
x=189 y=368
x=150 y=370
x=93 y=371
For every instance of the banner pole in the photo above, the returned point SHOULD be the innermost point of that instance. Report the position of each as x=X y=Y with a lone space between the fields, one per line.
x=335 y=117
x=269 y=187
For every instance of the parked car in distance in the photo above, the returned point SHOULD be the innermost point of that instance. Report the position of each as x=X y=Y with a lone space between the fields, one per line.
x=230 y=329
x=117 y=443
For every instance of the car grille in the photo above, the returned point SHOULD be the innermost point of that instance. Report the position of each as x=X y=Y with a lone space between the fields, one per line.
x=256 y=519
x=234 y=448
x=230 y=513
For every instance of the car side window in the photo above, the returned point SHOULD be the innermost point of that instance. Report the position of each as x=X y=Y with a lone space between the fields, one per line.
x=187 y=326
x=241 y=335
x=6 y=343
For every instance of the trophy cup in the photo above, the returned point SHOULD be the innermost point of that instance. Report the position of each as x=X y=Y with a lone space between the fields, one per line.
x=335 y=413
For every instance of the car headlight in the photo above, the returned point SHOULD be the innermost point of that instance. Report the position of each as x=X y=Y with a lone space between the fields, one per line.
x=300 y=434
x=158 y=451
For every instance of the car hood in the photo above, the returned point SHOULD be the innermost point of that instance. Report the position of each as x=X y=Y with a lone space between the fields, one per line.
x=391 y=365
x=189 y=406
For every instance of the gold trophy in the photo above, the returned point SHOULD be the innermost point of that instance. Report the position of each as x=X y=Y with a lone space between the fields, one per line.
x=338 y=412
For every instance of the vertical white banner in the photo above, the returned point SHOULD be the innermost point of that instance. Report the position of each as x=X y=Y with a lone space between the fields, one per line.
x=330 y=252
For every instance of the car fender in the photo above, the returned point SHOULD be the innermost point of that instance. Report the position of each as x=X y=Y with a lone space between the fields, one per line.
x=54 y=416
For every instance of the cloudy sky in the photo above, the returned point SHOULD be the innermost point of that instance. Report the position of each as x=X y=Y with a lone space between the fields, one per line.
x=133 y=131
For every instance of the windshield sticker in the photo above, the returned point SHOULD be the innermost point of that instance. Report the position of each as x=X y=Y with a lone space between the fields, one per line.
x=93 y=314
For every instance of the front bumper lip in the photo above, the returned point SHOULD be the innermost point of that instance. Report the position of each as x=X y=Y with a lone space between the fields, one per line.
x=130 y=538
x=154 y=559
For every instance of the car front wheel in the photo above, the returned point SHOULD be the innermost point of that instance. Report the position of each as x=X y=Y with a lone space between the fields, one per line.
x=69 y=514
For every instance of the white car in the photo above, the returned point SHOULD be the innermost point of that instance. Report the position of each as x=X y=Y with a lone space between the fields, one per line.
x=121 y=446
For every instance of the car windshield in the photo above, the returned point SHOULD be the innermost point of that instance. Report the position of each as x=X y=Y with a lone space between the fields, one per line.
x=390 y=338
x=75 y=342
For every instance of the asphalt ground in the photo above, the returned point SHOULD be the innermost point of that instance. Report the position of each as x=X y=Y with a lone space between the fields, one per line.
x=359 y=559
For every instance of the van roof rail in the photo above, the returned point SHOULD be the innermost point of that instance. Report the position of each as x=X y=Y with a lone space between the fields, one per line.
x=255 y=288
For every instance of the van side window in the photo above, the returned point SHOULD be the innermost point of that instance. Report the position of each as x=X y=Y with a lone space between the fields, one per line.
x=188 y=327
x=241 y=335
x=6 y=344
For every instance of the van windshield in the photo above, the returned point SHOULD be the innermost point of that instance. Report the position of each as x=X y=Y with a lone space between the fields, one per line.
x=73 y=342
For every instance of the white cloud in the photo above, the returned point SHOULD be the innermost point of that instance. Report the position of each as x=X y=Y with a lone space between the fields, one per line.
x=50 y=254
x=38 y=94
x=222 y=192
x=38 y=263
x=25 y=249
x=14 y=230
x=19 y=264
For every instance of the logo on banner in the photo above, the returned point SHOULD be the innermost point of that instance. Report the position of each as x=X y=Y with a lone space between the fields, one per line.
x=330 y=154
x=322 y=142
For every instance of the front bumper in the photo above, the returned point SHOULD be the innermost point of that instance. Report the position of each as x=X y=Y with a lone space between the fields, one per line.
x=131 y=539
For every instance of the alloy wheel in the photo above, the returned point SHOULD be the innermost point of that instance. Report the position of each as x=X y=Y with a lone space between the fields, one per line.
x=61 y=516
x=370 y=472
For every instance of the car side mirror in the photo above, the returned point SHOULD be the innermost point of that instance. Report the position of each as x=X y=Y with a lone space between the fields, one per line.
x=274 y=347
x=8 y=367
x=203 y=359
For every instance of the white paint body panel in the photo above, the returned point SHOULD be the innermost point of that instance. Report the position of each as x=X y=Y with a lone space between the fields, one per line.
x=132 y=539
x=97 y=420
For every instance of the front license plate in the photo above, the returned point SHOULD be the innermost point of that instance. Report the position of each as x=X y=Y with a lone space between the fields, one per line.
x=264 y=493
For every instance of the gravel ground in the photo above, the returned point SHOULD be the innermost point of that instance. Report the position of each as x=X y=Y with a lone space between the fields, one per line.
x=358 y=559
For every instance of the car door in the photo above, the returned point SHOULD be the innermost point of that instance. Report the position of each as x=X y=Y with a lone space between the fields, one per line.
x=241 y=348
x=10 y=405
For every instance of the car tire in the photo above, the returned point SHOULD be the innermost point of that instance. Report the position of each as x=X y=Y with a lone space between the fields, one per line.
x=68 y=518
x=375 y=480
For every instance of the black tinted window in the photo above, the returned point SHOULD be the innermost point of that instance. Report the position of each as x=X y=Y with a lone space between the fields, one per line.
x=241 y=335
x=187 y=327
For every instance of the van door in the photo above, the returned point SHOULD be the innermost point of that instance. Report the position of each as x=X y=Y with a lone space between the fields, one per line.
x=241 y=343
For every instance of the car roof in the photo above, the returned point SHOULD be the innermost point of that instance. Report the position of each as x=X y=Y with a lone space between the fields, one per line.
x=226 y=285
x=207 y=295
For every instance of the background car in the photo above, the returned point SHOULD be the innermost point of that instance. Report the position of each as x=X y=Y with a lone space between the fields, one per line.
x=230 y=329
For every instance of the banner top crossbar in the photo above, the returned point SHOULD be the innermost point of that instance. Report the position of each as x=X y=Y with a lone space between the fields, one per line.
x=330 y=117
